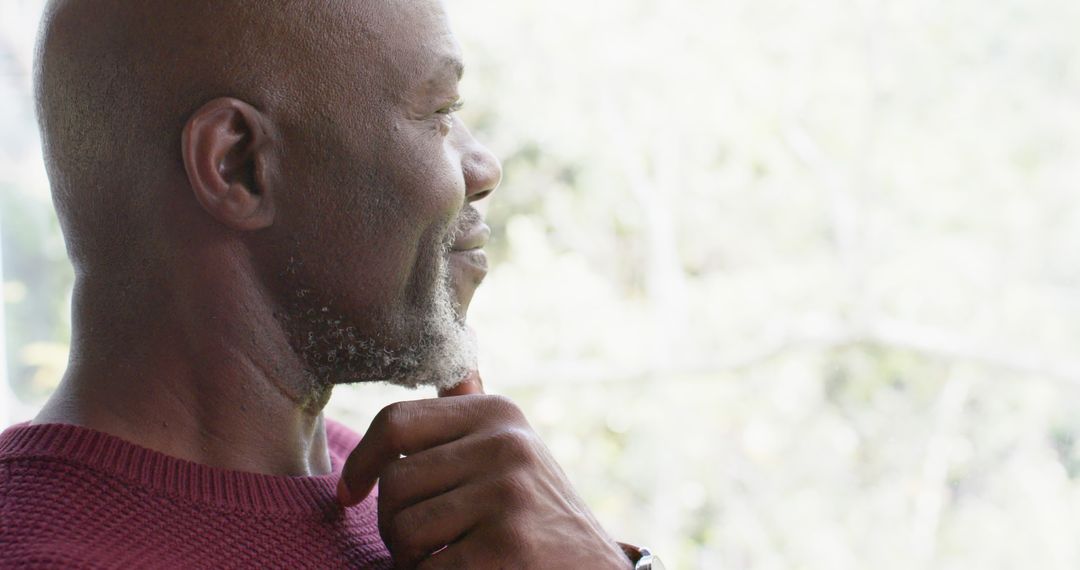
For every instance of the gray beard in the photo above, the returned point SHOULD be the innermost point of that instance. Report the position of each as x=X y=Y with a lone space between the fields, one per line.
x=334 y=353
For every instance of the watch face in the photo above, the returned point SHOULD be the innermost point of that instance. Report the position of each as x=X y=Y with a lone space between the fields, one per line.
x=650 y=562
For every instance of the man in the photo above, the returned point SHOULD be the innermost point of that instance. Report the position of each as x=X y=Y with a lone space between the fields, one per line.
x=263 y=199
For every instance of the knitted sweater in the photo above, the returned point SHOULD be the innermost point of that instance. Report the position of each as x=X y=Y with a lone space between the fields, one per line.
x=72 y=497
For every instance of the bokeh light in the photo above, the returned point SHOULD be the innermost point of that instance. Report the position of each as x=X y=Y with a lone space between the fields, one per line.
x=782 y=285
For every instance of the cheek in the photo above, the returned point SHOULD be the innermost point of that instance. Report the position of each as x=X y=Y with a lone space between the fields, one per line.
x=398 y=251
x=427 y=184
x=431 y=194
x=428 y=173
x=369 y=223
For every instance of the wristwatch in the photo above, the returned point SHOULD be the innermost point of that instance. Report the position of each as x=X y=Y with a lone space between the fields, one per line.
x=642 y=557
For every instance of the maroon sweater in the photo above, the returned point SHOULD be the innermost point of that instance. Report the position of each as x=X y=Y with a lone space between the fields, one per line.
x=71 y=497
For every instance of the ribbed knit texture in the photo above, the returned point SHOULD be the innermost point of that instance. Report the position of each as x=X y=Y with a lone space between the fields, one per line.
x=71 y=497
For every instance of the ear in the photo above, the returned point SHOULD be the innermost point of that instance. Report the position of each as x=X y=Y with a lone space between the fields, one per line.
x=227 y=156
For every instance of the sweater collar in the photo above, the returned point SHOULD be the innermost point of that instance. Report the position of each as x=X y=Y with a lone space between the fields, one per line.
x=163 y=474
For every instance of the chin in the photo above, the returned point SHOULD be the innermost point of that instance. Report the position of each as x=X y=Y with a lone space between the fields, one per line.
x=420 y=340
x=415 y=346
x=435 y=360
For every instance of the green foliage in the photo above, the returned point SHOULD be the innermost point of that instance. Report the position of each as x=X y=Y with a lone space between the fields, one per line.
x=783 y=285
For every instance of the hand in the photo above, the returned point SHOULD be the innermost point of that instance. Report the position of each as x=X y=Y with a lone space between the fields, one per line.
x=476 y=488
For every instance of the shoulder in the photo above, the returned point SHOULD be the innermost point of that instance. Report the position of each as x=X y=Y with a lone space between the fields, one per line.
x=55 y=513
x=38 y=530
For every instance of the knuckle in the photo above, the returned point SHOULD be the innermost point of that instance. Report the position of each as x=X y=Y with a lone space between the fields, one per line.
x=391 y=421
x=392 y=415
x=506 y=408
x=515 y=446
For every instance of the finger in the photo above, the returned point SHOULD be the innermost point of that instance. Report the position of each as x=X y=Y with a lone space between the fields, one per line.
x=414 y=533
x=406 y=428
x=469 y=385
x=473 y=550
x=429 y=473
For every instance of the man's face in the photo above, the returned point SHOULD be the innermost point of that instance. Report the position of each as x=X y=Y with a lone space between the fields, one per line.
x=375 y=213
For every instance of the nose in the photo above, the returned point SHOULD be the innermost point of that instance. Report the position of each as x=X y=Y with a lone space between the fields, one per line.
x=481 y=169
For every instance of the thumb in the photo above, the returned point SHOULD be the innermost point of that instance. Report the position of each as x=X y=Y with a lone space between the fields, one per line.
x=469 y=385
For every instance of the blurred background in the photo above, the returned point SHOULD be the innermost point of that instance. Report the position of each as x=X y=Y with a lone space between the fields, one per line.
x=784 y=285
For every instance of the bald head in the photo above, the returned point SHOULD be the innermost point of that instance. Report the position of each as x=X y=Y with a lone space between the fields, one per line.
x=117 y=80
x=229 y=162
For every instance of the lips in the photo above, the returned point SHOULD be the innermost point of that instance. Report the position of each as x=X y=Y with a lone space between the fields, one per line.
x=473 y=238
x=468 y=262
x=467 y=254
x=468 y=269
x=468 y=249
x=474 y=257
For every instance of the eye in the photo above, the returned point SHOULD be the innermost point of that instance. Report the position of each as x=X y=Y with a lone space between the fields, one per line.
x=452 y=108
x=445 y=116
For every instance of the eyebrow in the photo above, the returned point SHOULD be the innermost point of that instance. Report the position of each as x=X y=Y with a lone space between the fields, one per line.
x=448 y=66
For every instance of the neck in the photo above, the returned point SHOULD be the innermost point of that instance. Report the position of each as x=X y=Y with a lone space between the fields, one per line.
x=192 y=363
